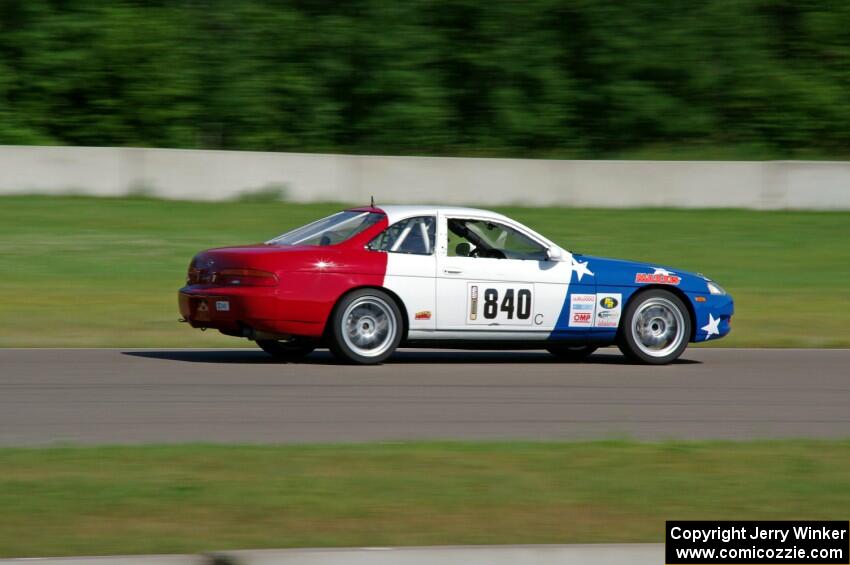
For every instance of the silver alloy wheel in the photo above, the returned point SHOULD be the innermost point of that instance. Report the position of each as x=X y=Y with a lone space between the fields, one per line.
x=369 y=326
x=658 y=327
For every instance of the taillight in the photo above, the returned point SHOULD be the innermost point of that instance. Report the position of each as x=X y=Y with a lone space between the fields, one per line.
x=243 y=277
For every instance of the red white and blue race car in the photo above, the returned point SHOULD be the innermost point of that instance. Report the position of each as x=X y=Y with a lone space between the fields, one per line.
x=368 y=280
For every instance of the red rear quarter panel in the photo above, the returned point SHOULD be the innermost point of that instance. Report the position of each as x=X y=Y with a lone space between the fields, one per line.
x=311 y=280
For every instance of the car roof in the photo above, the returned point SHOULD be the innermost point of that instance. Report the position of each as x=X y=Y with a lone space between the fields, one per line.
x=401 y=211
x=397 y=212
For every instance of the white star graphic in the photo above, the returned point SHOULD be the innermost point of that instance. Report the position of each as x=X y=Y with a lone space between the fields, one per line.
x=660 y=271
x=711 y=327
x=581 y=269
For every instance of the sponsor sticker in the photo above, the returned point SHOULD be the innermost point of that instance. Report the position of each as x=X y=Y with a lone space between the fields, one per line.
x=222 y=306
x=582 y=308
x=657 y=278
x=423 y=315
x=473 y=302
x=610 y=308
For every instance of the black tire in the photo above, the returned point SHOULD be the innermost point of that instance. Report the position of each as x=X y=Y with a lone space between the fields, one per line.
x=357 y=325
x=291 y=350
x=649 y=316
x=572 y=353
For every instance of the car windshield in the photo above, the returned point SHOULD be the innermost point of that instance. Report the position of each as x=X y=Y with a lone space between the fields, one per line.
x=329 y=231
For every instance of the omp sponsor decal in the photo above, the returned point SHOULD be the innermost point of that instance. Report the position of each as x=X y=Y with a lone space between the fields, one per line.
x=582 y=307
x=608 y=312
x=580 y=319
x=659 y=276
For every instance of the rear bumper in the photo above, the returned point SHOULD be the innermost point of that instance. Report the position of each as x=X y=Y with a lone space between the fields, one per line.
x=241 y=312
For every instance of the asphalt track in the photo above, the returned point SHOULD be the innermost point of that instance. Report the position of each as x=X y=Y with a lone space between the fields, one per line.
x=89 y=396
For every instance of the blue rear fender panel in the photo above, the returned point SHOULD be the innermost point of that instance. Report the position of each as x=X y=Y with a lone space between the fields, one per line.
x=713 y=313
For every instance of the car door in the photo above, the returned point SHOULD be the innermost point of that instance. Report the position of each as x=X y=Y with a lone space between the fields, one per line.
x=518 y=293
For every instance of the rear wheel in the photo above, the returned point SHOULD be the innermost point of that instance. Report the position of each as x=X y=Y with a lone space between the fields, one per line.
x=572 y=353
x=365 y=327
x=656 y=328
x=289 y=350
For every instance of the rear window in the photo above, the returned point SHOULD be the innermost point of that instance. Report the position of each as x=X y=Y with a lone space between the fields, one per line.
x=329 y=231
x=415 y=236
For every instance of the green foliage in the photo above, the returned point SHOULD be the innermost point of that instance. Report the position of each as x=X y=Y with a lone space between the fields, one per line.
x=568 y=78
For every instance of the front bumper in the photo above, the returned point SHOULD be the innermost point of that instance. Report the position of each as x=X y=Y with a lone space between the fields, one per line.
x=713 y=316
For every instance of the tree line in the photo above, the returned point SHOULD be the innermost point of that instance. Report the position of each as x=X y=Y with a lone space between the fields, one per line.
x=524 y=78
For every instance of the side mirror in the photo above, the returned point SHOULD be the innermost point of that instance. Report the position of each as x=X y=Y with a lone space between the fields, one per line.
x=555 y=254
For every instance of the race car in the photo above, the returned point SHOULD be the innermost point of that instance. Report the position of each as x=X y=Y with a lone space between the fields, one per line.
x=368 y=280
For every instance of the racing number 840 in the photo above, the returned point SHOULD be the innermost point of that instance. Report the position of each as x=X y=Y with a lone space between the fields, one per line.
x=519 y=306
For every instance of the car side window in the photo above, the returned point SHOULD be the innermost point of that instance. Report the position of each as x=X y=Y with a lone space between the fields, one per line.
x=481 y=238
x=415 y=236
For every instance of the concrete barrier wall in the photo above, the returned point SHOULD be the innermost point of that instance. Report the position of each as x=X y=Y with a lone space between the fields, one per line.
x=222 y=175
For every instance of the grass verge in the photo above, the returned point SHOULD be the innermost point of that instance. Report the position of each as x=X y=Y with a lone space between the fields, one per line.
x=80 y=271
x=156 y=499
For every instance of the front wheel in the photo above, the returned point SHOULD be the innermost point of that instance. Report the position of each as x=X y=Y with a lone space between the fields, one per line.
x=290 y=350
x=656 y=328
x=365 y=327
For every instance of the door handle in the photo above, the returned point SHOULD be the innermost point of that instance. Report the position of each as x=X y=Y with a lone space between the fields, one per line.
x=451 y=271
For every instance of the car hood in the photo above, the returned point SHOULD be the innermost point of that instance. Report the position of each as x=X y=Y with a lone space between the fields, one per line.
x=619 y=272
